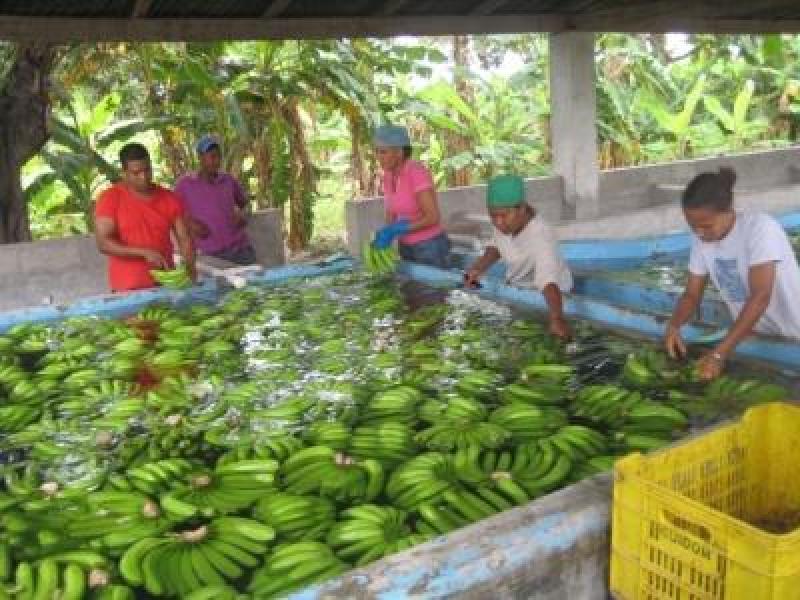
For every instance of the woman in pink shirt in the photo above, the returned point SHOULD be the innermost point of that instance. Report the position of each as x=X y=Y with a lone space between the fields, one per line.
x=412 y=211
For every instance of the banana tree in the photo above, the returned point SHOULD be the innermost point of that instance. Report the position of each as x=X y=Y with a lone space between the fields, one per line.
x=79 y=158
x=735 y=122
x=677 y=124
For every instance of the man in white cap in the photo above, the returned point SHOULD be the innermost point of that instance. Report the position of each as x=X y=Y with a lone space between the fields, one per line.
x=216 y=206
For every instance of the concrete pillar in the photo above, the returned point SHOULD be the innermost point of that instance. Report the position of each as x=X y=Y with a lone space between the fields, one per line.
x=573 y=125
x=265 y=229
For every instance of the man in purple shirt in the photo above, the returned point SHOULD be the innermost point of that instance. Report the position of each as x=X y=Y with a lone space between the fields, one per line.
x=216 y=207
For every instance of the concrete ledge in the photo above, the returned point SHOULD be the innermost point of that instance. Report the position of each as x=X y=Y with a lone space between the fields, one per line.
x=63 y=270
x=554 y=548
x=668 y=218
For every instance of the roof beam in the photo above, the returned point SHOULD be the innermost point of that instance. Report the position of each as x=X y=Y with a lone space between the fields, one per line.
x=487 y=7
x=682 y=23
x=141 y=8
x=275 y=8
x=390 y=7
x=62 y=29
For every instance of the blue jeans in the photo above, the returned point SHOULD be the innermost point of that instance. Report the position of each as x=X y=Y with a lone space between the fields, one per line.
x=434 y=252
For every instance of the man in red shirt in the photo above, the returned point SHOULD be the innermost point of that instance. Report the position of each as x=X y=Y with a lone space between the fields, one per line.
x=133 y=221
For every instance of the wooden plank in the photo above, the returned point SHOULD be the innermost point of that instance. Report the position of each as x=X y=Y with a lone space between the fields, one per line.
x=141 y=8
x=390 y=7
x=275 y=8
x=60 y=30
x=487 y=7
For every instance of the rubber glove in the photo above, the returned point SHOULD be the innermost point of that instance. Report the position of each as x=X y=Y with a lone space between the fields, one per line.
x=385 y=236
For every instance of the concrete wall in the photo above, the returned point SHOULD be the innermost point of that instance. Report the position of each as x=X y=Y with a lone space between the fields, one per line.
x=554 y=548
x=265 y=229
x=63 y=270
x=634 y=201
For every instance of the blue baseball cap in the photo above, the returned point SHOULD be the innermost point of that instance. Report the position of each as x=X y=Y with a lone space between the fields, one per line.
x=206 y=143
x=392 y=136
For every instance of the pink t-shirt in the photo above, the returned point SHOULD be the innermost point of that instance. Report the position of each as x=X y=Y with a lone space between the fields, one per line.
x=400 y=198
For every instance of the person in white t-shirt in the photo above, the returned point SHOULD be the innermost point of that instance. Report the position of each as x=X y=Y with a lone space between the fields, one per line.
x=527 y=245
x=750 y=261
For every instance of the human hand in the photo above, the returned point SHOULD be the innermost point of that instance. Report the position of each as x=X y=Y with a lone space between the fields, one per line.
x=198 y=229
x=472 y=278
x=386 y=235
x=673 y=342
x=560 y=328
x=191 y=269
x=710 y=366
x=239 y=217
x=154 y=257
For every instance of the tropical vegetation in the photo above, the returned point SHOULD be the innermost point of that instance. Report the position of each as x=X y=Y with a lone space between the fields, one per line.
x=295 y=117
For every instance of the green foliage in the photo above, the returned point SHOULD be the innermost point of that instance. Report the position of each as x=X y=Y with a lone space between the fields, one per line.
x=296 y=118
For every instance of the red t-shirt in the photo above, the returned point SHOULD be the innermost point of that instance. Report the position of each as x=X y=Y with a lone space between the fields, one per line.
x=142 y=224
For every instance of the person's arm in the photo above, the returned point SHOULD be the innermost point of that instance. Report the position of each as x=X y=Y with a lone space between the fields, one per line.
x=761 y=279
x=105 y=230
x=473 y=275
x=185 y=245
x=684 y=309
x=555 y=304
x=197 y=229
x=429 y=210
x=241 y=208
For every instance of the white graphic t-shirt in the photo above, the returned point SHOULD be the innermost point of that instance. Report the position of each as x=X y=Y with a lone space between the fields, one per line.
x=754 y=240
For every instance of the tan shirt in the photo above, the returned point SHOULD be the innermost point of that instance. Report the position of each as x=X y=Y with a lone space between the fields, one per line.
x=532 y=257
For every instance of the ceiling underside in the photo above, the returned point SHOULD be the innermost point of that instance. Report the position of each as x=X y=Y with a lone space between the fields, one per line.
x=174 y=20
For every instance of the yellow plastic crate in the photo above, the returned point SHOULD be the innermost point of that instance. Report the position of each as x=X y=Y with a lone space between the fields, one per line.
x=682 y=525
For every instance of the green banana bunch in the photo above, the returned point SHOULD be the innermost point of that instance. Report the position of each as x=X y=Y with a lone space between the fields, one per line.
x=579 y=443
x=229 y=488
x=333 y=434
x=50 y=579
x=379 y=261
x=294 y=566
x=454 y=435
x=423 y=479
x=540 y=394
x=210 y=555
x=296 y=517
x=397 y=403
x=478 y=383
x=177 y=278
x=387 y=441
x=157 y=476
x=526 y=422
x=332 y=474
x=113 y=591
x=547 y=468
x=369 y=532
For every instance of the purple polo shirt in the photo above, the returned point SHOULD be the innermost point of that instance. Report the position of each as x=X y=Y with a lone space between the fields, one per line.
x=213 y=202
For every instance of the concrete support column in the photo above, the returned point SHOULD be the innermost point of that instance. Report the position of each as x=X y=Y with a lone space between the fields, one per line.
x=573 y=126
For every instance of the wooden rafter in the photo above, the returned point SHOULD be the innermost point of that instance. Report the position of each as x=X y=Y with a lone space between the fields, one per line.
x=275 y=8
